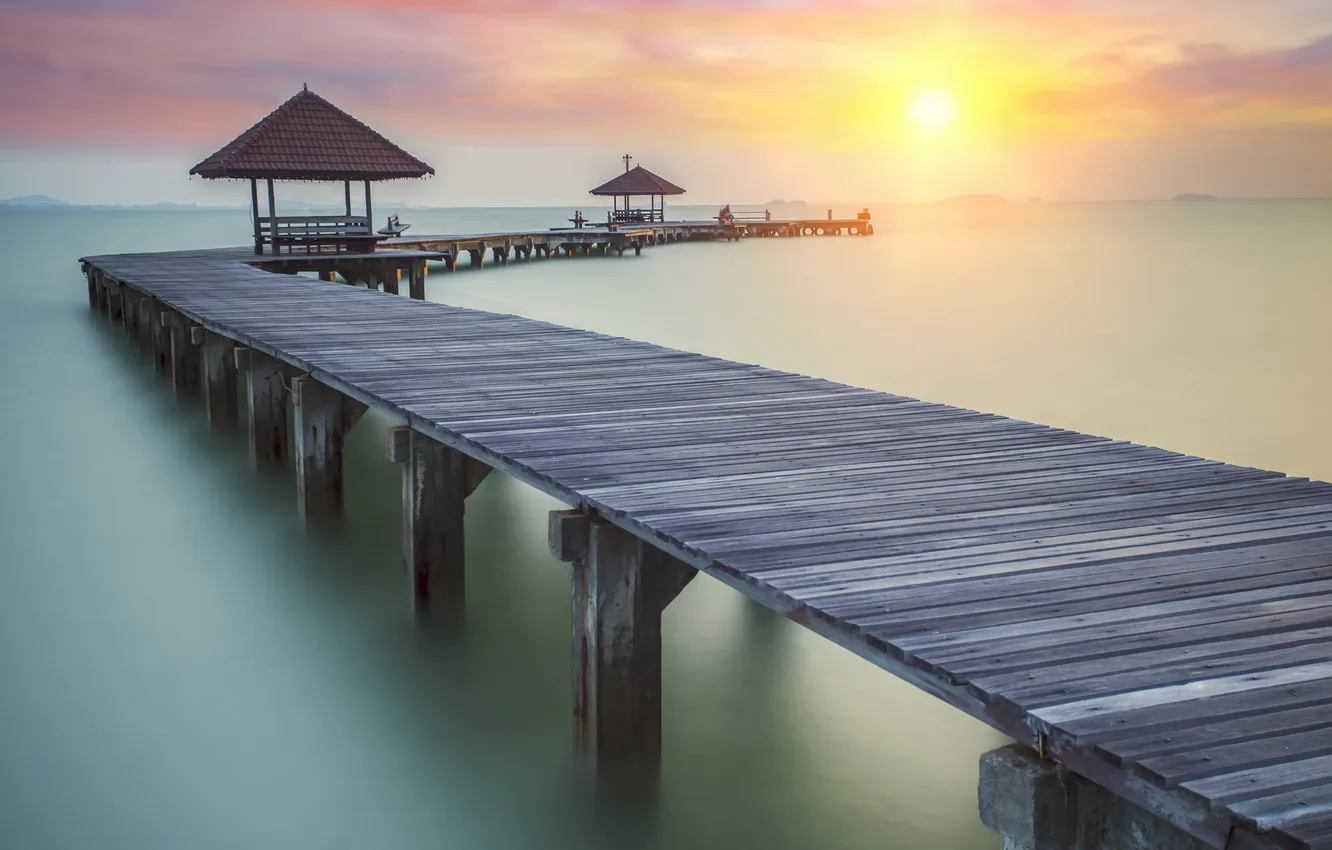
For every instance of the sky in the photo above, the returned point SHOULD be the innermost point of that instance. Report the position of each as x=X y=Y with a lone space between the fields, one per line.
x=532 y=102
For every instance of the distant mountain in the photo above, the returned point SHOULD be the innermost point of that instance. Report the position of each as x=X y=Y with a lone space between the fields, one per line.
x=33 y=201
x=46 y=202
x=1191 y=196
x=975 y=199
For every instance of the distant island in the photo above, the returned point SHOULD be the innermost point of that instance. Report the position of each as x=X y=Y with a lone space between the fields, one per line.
x=975 y=199
x=33 y=201
x=780 y=203
x=46 y=202
x=1193 y=196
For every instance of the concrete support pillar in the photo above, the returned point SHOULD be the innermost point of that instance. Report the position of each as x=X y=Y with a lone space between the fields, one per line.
x=1036 y=804
x=184 y=354
x=417 y=281
x=91 y=275
x=219 y=374
x=326 y=275
x=323 y=418
x=621 y=586
x=478 y=256
x=266 y=392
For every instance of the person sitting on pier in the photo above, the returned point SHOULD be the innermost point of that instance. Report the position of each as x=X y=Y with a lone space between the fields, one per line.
x=726 y=216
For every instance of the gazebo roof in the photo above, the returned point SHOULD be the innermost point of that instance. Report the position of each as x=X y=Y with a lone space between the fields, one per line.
x=308 y=138
x=638 y=181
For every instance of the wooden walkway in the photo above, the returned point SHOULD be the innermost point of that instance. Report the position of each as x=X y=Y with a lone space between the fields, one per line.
x=597 y=237
x=1162 y=624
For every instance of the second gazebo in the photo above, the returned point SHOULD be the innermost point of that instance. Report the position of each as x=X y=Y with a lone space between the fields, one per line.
x=637 y=182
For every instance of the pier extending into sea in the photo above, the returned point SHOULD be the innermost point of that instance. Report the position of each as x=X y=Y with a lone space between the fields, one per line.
x=601 y=239
x=1153 y=629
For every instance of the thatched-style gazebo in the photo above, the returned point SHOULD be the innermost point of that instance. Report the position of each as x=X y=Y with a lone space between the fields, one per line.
x=637 y=182
x=309 y=139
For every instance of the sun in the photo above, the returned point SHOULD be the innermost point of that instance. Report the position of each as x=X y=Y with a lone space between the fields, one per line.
x=932 y=111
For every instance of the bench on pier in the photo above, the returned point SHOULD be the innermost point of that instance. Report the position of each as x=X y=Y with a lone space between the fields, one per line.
x=394 y=227
x=726 y=216
x=634 y=216
x=319 y=233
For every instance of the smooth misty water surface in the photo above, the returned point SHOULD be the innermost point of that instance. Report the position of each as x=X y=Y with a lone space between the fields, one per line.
x=181 y=666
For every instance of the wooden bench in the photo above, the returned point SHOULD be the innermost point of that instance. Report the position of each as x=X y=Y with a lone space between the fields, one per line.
x=394 y=227
x=634 y=216
x=319 y=232
x=729 y=217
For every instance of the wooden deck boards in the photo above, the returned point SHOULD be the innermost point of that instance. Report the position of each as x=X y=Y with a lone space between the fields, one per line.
x=1161 y=623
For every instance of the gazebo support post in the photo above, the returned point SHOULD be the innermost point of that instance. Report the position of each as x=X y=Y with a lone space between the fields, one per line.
x=346 y=193
x=272 y=219
x=369 y=212
x=254 y=214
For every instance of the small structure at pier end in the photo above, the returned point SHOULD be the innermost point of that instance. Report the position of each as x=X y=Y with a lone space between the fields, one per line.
x=309 y=139
x=637 y=182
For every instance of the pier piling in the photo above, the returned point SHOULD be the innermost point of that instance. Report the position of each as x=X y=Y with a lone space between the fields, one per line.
x=416 y=284
x=102 y=305
x=184 y=354
x=267 y=396
x=159 y=332
x=621 y=586
x=436 y=482
x=1035 y=804
x=145 y=325
x=389 y=278
x=114 y=302
x=219 y=374
x=323 y=417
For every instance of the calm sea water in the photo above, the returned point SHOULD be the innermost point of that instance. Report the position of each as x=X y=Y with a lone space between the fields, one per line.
x=181 y=666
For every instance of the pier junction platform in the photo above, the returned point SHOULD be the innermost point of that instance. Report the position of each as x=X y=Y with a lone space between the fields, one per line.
x=1154 y=630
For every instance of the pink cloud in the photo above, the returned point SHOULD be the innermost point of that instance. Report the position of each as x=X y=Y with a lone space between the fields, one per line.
x=193 y=74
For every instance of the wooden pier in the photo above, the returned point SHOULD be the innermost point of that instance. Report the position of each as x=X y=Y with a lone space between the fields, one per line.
x=585 y=241
x=1158 y=624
